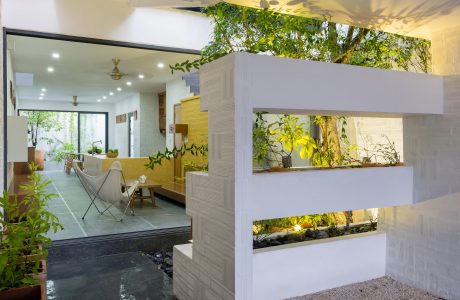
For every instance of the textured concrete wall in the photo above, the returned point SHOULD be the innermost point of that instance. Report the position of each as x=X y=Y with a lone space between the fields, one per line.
x=423 y=246
x=209 y=272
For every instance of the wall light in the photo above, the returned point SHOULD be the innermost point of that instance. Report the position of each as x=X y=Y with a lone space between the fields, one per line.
x=98 y=100
x=42 y=94
x=43 y=90
x=104 y=97
x=119 y=89
x=40 y=98
x=141 y=76
x=50 y=69
x=161 y=65
x=129 y=83
x=111 y=93
x=55 y=55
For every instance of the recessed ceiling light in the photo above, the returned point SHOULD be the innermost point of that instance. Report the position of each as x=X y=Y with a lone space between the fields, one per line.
x=129 y=83
x=141 y=76
x=161 y=65
x=104 y=97
x=55 y=55
x=40 y=98
x=41 y=94
x=119 y=89
x=43 y=90
x=111 y=93
x=50 y=69
x=98 y=100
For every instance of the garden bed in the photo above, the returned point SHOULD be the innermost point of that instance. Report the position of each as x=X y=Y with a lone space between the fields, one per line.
x=278 y=239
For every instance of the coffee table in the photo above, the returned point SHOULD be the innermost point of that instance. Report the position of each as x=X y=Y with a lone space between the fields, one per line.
x=148 y=184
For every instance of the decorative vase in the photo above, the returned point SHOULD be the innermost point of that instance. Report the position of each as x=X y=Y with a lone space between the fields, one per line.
x=287 y=161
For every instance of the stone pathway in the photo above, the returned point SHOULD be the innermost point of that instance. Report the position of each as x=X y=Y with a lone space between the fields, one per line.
x=383 y=288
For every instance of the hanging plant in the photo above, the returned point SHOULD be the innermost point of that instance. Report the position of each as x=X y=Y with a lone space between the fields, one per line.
x=193 y=149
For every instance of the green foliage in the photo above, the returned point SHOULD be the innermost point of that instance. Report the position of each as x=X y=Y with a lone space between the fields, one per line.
x=280 y=138
x=387 y=152
x=59 y=154
x=242 y=29
x=193 y=149
x=112 y=151
x=23 y=239
x=39 y=122
x=95 y=150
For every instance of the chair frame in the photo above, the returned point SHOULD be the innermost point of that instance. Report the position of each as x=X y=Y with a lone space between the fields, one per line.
x=96 y=196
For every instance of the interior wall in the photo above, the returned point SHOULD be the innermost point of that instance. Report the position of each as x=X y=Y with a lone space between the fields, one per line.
x=126 y=106
x=423 y=248
x=151 y=139
x=11 y=111
x=176 y=90
x=109 y=19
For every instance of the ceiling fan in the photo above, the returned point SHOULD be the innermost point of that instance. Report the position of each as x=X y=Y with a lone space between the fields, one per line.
x=116 y=74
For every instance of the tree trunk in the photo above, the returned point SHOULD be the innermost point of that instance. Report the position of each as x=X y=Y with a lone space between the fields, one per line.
x=330 y=137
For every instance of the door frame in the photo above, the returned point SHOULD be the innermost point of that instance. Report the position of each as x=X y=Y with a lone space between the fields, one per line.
x=69 y=38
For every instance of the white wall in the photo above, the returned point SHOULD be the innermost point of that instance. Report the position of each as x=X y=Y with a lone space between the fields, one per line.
x=152 y=140
x=126 y=106
x=109 y=19
x=303 y=268
x=10 y=109
x=176 y=90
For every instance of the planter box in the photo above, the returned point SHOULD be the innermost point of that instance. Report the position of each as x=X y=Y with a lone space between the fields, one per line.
x=303 y=268
x=277 y=195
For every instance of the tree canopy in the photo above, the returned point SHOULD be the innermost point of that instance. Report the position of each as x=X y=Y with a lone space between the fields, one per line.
x=238 y=28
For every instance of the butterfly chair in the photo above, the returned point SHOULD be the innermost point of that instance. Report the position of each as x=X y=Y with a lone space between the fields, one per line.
x=107 y=188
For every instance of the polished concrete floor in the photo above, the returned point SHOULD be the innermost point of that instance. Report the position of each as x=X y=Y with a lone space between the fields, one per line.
x=120 y=276
x=72 y=201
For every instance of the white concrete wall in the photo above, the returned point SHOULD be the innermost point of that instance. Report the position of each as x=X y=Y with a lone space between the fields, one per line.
x=126 y=106
x=280 y=272
x=423 y=248
x=331 y=89
x=67 y=106
x=328 y=191
x=109 y=19
x=176 y=90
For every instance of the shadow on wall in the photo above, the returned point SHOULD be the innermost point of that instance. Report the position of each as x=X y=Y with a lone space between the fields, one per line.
x=421 y=238
x=401 y=17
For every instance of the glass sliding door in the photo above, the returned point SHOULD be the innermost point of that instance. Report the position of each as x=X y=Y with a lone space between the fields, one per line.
x=93 y=131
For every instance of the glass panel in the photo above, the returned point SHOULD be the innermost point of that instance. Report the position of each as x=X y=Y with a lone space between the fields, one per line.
x=92 y=132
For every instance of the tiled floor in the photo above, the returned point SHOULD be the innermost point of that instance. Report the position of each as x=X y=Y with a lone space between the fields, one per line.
x=72 y=201
x=120 y=276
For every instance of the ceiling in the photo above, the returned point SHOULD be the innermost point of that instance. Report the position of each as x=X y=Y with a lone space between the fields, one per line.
x=420 y=18
x=82 y=69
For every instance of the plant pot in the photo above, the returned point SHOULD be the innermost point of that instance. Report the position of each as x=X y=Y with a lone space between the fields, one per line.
x=40 y=159
x=112 y=155
x=287 y=161
x=277 y=169
x=32 y=292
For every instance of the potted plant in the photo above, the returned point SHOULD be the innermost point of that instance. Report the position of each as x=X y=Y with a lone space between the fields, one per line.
x=280 y=139
x=23 y=241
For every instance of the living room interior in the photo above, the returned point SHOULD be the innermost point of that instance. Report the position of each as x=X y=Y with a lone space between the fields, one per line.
x=96 y=104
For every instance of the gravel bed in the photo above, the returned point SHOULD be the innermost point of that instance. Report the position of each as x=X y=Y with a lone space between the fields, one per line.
x=383 y=288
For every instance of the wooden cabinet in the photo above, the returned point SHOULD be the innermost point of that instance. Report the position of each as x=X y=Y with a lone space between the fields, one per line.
x=162 y=111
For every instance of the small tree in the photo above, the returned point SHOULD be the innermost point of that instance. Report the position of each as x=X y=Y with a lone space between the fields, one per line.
x=40 y=122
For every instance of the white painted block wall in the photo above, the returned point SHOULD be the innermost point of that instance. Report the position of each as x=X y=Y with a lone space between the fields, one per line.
x=223 y=203
x=299 y=269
